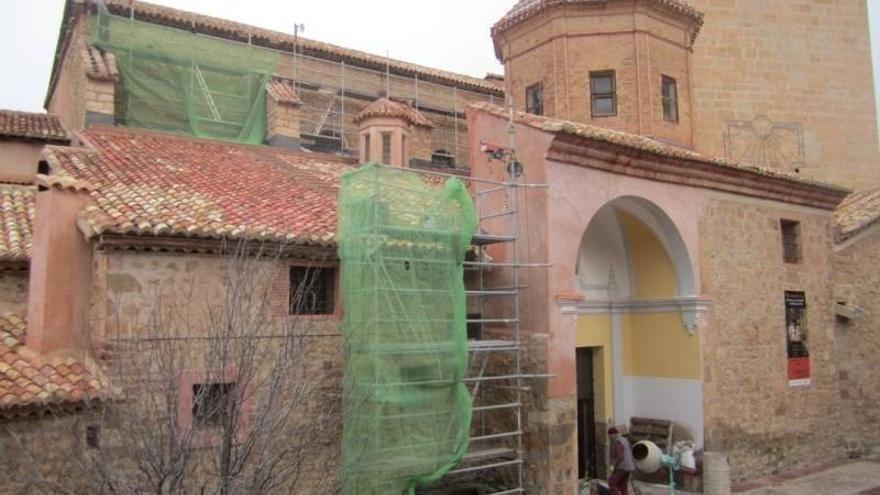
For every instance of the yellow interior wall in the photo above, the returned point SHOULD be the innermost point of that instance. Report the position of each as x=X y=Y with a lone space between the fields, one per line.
x=652 y=271
x=595 y=331
x=657 y=345
x=654 y=345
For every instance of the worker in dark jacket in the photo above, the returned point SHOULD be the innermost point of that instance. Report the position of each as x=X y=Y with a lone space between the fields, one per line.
x=621 y=462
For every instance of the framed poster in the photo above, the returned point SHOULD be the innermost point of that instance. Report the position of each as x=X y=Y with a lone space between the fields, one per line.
x=796 y=337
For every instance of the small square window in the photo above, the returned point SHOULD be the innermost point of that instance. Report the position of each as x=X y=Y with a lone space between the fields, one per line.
x=212 y=403
x=312 y=290
x=535 y=99
x=791 y=240
x=603 y=98
x=669 y=97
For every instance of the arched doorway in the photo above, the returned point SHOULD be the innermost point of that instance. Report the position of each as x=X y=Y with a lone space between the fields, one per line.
x=639 y=351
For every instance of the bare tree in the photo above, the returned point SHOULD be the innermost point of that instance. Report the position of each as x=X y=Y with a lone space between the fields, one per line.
x=219 y=391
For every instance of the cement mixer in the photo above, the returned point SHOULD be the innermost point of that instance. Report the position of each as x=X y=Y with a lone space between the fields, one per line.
x=649 y=458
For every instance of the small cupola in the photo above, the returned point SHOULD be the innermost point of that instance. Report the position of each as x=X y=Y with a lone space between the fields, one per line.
x=386 y=129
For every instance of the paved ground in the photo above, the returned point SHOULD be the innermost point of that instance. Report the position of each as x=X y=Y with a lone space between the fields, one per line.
x=855 y=478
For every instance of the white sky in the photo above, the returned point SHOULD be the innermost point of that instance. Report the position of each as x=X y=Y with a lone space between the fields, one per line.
x=448 y=34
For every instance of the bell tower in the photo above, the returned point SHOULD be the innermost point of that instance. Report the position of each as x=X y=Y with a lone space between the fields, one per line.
x=621 y=64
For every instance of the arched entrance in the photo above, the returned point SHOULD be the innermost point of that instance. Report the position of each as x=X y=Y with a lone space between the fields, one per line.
x=638 y=346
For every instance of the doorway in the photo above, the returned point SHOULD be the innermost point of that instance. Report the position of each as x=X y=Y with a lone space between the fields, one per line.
x=586 y=413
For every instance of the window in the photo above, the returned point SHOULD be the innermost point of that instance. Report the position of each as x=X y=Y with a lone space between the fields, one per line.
x=603 y=100
x=386 y=148
x=442 y=158
x=312 y=290
x=791 y=240
x=669 y=96
x=212 y=403
x=535 y=99
x=366 y=148
x=93 y=436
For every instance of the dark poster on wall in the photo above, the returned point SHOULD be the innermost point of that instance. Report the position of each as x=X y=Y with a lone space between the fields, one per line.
x=796 y=339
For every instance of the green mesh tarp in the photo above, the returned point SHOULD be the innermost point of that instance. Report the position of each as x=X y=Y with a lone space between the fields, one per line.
x=177 y=81
x=407 y=411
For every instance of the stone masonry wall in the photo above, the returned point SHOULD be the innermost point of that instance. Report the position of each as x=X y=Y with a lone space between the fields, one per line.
x=857 y=271
x=751 y=412
x=786 y=80
x=129 y=287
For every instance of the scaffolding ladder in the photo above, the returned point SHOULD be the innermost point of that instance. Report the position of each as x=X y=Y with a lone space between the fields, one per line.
x=494 y=463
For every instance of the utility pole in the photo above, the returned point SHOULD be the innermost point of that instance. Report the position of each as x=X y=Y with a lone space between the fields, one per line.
x=297 y=27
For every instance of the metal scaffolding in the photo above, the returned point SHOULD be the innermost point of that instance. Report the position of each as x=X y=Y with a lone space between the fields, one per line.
x=333 y=93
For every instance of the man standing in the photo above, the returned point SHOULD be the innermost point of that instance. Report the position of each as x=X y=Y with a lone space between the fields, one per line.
x=621 y=462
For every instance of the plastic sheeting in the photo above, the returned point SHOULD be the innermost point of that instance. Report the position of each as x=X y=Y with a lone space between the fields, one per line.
x=407 y=412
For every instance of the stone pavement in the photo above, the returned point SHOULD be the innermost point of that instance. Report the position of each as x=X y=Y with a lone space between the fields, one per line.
x=852 y=478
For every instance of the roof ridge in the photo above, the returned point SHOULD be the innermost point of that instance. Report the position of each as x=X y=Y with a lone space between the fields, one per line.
x=155 y=12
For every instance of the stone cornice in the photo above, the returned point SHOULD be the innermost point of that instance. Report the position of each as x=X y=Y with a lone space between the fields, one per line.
x=614 y=158
x=690 y=307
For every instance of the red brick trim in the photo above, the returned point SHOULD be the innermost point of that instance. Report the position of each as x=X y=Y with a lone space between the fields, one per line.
x=599 y=155
x=208 y=438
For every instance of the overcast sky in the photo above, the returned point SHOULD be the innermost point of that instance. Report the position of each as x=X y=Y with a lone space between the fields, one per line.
x=447 y=34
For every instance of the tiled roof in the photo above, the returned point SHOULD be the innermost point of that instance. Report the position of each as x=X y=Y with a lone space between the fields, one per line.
x=151 y=183
x=265 y=37
x=641 y=143
x=858 y=211
x=16 y=222
x=282 y=91
x=384 y=107
x=526 y=9
x=30 y=380
x=100 y=65
x=32 y=126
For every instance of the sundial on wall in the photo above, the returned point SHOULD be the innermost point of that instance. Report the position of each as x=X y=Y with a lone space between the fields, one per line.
x=762 y=142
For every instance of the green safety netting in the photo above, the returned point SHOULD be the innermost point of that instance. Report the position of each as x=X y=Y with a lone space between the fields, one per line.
x=178 y=81
x=407 y=411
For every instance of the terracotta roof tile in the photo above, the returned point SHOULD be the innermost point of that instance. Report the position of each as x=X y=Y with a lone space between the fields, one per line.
x=282 y=91
x=384 y=107
x=526 y=9
x=27 y=380
x=100 y=65
x=239 y=31
x=151 y=183
x=858 y=211
x=31 y=125
x=16 y=222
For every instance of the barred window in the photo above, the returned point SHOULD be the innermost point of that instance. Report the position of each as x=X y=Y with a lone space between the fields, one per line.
x=791 y=240
x=386 y=148
x=312 y=290
x=212 y=402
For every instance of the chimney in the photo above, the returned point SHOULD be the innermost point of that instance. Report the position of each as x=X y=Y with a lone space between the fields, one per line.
x=61 y=264
x=100 y=86
x=282 y=114
x=386 y=128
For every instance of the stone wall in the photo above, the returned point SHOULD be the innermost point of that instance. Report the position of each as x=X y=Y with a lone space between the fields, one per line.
x=68 y=100
x=857 y=271
x=156 y=316
x=765 y=92
x=751 y=412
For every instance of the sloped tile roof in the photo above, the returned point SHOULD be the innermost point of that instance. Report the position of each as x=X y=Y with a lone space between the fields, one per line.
x=384 y=107
x=264 y=37
x=29 y=125
x=100 y=65
x=858 y=211
x=526 y=9
x=282 y=91
x=151 y=183
x=29 y=380
x=16 y=222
